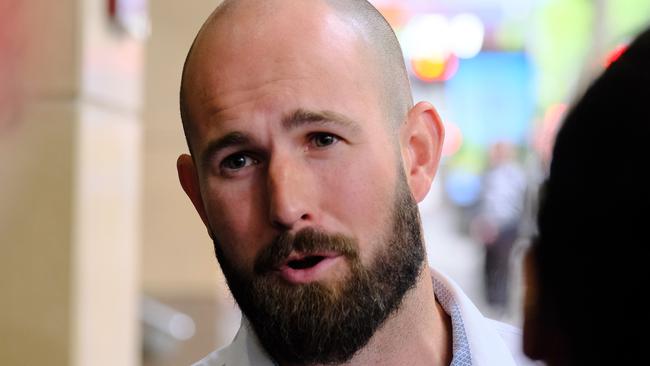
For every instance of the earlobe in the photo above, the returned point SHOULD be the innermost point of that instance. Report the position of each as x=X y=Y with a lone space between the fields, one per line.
x=189 y=180
x=421 y=139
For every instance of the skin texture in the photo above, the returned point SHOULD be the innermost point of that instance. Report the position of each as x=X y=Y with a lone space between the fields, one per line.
x=286 y=118
x=376 y=37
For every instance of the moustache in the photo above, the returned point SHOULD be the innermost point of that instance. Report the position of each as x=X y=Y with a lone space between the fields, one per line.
x=306 y=241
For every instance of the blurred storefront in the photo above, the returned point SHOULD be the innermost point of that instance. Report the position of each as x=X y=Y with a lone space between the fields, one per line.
x=505 y=70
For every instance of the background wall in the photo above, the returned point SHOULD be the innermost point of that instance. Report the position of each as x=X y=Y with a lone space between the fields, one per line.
x=69 y=178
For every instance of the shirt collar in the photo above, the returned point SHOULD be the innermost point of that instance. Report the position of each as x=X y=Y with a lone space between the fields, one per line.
x=476 y=342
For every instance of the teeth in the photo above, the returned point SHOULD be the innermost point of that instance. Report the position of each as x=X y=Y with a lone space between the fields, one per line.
x=305 y=263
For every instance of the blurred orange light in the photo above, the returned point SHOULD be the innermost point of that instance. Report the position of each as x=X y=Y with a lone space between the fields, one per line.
x=435 y=69
x=428 y=69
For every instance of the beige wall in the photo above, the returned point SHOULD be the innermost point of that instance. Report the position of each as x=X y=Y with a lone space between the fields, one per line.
x=177 y=254
x=36 y=237
x=69 y=194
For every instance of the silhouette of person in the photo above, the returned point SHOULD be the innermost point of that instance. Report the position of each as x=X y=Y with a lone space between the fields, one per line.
x=586 y=271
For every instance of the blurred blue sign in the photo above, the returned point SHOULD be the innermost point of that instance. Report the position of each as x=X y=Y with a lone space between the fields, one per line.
x=491 y=98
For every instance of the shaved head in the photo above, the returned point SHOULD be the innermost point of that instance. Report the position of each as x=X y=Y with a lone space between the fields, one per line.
x=380 y=48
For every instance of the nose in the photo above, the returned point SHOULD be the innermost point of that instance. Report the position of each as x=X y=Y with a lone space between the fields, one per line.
x=289 y=198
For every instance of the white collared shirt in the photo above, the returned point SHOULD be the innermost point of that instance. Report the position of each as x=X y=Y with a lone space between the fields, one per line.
x=477 y=340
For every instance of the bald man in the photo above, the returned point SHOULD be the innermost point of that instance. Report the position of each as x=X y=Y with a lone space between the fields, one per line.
x=307 y=160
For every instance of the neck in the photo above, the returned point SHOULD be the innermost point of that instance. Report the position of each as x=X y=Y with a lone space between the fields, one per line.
x=419 y=333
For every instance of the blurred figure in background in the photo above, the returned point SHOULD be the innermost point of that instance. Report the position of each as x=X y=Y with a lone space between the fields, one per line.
x=587 y=269
x=498 y=220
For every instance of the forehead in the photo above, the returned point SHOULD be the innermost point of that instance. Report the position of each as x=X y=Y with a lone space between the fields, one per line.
x=298 y=51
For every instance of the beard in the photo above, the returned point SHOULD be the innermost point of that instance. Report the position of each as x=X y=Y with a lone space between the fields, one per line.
x=317 y=323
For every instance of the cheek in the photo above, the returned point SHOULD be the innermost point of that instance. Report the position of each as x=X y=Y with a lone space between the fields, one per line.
x=360 y=197
x=234 y=217
x=363 y=193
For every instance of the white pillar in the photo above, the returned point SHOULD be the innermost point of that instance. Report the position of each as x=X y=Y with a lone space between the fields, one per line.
x=69 y=190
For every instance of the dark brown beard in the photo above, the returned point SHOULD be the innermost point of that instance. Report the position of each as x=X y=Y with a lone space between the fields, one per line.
x=328 y=324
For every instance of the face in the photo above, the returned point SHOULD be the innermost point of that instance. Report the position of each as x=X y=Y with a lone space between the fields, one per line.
x=298 y=178
x=287 y=137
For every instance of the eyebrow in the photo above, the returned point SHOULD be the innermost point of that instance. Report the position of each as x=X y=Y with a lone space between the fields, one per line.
x=230 y=139
x=301 y=117
x=298 y=118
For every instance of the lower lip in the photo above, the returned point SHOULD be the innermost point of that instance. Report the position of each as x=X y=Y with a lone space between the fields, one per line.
x=307 y=275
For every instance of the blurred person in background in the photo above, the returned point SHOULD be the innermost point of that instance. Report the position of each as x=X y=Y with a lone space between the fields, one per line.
x=588 y=267
x=500 y=214
x=307 y=160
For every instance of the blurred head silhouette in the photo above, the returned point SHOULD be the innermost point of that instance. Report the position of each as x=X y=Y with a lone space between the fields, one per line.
x=586 y=271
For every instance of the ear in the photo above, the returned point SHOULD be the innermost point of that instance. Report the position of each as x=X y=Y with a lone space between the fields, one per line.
x=189 y=179
x=421 y=143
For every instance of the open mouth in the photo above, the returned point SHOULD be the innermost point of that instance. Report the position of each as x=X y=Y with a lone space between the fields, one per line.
x=301 y=268
x=306 y=262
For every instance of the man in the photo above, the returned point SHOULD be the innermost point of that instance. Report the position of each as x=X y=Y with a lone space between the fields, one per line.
x=307 y=159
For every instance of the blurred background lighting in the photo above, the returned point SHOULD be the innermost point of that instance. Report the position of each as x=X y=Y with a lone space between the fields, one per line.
x=467 y=32
x=435 y=69
x=166 y=320
x=615 y=54
x=396 y=15
x=463 y=187
x=426 y=37
x=453 y=139
x=181 y=326
x=428 y=69
x=545 y=135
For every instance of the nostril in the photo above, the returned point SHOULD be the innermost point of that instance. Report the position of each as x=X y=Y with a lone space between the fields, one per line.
x=285 y=223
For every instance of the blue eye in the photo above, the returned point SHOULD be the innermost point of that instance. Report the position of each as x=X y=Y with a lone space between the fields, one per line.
x=324 y=139
x=237 y=162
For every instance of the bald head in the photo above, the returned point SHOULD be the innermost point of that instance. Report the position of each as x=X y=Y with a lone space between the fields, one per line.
x=239 y=21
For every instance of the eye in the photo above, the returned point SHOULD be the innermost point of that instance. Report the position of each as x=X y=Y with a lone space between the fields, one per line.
x=236 y=162
x=324 y=139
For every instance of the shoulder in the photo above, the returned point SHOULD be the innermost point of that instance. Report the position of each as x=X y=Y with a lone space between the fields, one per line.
x=506 y=331
x=512 y=338
x=487 y=342
x=216 y=358
x=244 y=350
